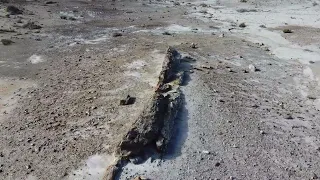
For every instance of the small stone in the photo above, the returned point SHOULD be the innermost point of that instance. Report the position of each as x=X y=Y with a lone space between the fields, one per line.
x=203 y=5
x=193 y=45
x=311 y=97
x=28 y=167
x=314 y=176
x=165 y=88
x=242 y=25
x=31 y=26
x=262 y=132
x=288 y=116
x=167 y=33
x=116 y=34
x=252 y=68
x=217 y=164
x=287 y=31
x=176 y=3
x=262 y=26
x=207 y=67
x=50 y=2
x=266 y=49
x=6 y=42
x=206 y=152
x=128 y=101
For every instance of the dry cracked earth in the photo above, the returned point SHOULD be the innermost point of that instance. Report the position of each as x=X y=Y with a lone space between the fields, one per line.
x=251 y=87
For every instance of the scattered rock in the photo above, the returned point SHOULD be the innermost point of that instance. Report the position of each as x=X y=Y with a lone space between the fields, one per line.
x=242 y=25
x=246 y=10
x=217 y=164
x=12 y=10
x=314 y=176
x=193 y=45
x=67 y=17
x=221 y=35
x=166 y=33
x=262 y=132
x=235 y=146
x=311 y=97
x=128 y=101
x=206 y=152
x=116 y=34
x=288 y=116
x=6 y=42
x=252 y=68
x=7 y=31
x=165 y=88
x=206 y=67
x=51 y=2
x=311 y=62
x=287 y=31
x=262 y=26
x=176 y=3
x=266 y=49
x=31 y=26
x=140 y=178
x=314 y=4
x=203 y=5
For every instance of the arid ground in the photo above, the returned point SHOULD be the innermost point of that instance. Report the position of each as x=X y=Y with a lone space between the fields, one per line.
x=251 y=96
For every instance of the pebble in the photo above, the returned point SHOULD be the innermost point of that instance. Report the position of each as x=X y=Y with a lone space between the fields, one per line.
x=252 y=68
x=206 y=152
x=287 y=31
x=6 y=42
x=235 y=146
x=314 y=176
x=116 y=34
x=193 y=45
x=288 y=116
x=242 y=25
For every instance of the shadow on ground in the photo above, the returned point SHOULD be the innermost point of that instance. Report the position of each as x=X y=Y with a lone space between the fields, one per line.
x=180 y=130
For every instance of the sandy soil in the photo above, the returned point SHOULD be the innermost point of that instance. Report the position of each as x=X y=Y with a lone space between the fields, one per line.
x=61 y=83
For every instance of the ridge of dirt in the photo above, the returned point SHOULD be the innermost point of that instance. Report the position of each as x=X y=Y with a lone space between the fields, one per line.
x=155 y=123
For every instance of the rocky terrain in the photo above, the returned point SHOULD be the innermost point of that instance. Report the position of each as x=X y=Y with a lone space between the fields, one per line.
x=250 y=92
